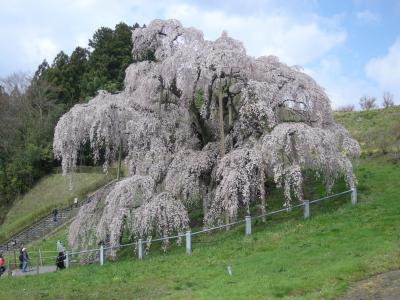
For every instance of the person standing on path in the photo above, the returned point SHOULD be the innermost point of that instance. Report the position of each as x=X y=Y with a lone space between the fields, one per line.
x=55 y=212
x=21 y=246
x=2 y=264
x=25 y=259
x=60 y=247
x=60 y=261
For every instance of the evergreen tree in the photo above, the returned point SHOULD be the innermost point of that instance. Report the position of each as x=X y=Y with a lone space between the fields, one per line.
x=29 y=109
x=110 y=56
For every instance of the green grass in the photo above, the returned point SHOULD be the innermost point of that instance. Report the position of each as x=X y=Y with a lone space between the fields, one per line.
x=286 y=258
x=49 y=242
x=377 y=130
x=50 y=192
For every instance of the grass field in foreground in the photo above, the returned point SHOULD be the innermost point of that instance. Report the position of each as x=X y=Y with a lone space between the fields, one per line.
x=294 y=258
x=50 y=192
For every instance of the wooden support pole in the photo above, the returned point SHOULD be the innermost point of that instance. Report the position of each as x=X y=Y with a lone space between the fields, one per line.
x=230 y=117
x=262 y=192
x=221 y=124
x=119 y=160
x=9 y=271
x=15 y=259
x=41 y=260
x=37 y=262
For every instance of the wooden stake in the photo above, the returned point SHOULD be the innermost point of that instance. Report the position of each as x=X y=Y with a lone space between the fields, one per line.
x=119 y=160
x=262 y=192
x=221 y=123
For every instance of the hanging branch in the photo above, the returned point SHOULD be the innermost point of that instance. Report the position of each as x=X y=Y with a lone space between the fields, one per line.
x=179 y=154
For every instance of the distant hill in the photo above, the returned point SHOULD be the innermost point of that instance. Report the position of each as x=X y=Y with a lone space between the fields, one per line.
x=377 y=131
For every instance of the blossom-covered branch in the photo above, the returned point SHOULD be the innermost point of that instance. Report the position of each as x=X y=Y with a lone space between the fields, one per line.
x=200 y=121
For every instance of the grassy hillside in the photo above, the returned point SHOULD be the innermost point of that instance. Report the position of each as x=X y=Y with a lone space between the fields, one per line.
x=378 y=131
x=285 y=258
x=50 y=192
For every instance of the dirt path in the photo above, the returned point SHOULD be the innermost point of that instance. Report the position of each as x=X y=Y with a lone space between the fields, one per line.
x=385 y=286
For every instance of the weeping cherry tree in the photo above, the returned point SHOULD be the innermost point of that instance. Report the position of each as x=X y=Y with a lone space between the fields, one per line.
x=199 y=122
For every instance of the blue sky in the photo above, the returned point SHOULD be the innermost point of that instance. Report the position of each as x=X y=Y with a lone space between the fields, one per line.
x=351 y=48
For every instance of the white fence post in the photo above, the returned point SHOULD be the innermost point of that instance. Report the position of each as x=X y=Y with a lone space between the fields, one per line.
x=354 y=196
x=140 y=249
x=248 y=225
x=188 y=242
x=306 y=209
x=67 y=259
x=101 y=255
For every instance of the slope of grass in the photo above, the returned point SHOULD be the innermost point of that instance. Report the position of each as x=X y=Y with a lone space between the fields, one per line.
x=284 y=258
x=376 y=130
x=49 y=193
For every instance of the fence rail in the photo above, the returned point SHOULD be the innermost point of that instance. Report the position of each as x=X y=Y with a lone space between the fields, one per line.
x=99 y=253
x=139 y=244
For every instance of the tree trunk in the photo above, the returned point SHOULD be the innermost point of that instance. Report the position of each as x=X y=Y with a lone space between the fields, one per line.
x=161 y=100
x=221 y=124
x=227 y=218
x=222 y=138
x=119 y=160
x=205 y=202
x=230 y=121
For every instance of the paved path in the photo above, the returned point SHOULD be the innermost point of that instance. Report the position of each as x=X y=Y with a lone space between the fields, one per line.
x=33 y=271
x=385 y=286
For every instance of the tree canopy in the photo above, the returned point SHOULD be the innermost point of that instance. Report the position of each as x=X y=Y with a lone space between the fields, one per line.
x=200 y=121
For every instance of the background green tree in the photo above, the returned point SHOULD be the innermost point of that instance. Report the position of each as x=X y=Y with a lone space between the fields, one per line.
x=31 y=107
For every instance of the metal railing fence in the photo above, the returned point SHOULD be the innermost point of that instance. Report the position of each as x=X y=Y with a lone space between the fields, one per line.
x=140 y=243
x=41 y=258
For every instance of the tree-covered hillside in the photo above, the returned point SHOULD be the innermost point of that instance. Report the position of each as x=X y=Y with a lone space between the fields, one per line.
x=31 y=106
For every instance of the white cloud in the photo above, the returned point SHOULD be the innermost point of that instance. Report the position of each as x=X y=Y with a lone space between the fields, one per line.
x=63 y=24
x=304 y=43
x=386 y=69
x=367 y=16
x=342 y=88
x=293 y=41
x=297 y=39
x=36 y=48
